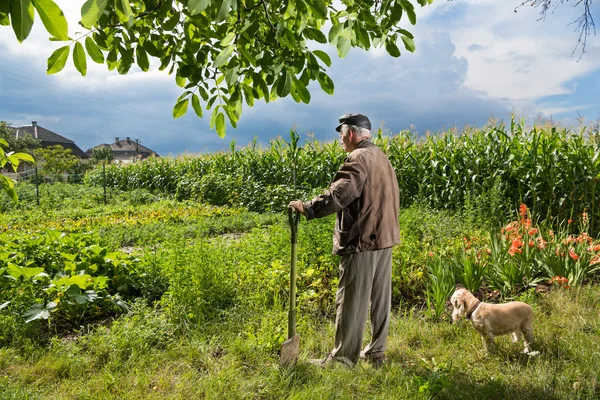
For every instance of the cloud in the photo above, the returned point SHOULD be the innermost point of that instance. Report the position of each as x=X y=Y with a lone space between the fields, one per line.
x=474 y=59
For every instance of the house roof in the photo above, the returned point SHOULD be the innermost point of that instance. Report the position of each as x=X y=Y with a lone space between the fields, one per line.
x=125 y=145
x=48 y=138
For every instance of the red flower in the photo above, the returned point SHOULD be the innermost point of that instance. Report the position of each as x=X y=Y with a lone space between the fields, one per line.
x=522 y=210
x=584 y=216
x=569 y=221
x=595 y=260
x=573 y=255
x=532 y=231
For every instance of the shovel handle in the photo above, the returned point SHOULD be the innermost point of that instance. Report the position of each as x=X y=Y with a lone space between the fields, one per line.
x=294 y=217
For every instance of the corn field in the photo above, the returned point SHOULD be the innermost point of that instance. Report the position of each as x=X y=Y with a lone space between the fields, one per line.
x=555 y=171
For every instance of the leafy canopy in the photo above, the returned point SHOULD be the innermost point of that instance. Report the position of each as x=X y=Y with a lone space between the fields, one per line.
x=222 y=53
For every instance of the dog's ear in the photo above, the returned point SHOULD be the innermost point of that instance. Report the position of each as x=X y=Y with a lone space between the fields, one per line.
x=458 y=286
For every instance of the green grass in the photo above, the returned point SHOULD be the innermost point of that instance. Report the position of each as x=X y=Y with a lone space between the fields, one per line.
x=213 y=315
x=138 y=357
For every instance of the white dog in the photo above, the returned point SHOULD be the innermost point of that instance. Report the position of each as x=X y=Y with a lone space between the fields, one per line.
x=491 y=320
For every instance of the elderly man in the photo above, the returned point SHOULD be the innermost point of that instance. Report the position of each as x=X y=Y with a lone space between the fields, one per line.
x=365 y=196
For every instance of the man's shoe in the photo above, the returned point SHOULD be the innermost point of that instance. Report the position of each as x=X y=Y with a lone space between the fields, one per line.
x=329 y=361
x=376 y=361
x=323 y=362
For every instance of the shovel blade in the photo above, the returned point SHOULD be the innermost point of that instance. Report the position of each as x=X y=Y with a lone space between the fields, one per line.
x=289 y=351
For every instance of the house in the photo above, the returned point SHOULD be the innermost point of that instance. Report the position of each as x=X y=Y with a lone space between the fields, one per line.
x=126 y=150
x=49 y=138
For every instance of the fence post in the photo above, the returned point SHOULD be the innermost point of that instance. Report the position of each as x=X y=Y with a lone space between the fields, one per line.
x=37 y=186
x=104 y=180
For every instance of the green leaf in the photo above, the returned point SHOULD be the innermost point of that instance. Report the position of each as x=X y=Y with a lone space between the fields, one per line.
x=21 y=16
x=196 y=105
x=228 y=39
x=284 y=84
x=223 y=57
x=93 y=50
x=223 y=12
x=180 y=81
x=213 y=117
x=409 y=44
x=91 y=11
x=57 y=60
x=123 y=11
x=318 y=7
x=334 y=32
x=111 y=59
x=24 y=157
x=4 y=12
x=180 y=108
x=197 y=6
x=220 y=123
x=79 y=58
x=302 y=91
x=410 y=11
x=391 y=48
x=344 y=43
x=142 y=58
x=36 y=311
x=172 y=22
x=396 y=13
x=53 y=18
x=323 y=56
x=326 y=83
x=315 y=34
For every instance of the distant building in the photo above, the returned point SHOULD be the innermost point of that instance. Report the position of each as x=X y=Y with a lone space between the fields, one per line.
x=126 y=151
x=48 y=138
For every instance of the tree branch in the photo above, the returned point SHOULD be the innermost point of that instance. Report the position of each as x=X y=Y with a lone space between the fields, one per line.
x=585 y=23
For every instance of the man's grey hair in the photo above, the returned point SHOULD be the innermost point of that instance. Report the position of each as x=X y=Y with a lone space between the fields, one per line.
x=362 y=133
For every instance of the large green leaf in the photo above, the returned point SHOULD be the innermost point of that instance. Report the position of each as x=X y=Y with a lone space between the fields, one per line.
x=410 y=11
x=223 y=11
x=323 y=56
x=302 y=91
x=326 y=83
x=57 y=60
x=79 y=58
x=284 y=84
x=409 y=44
x=21 y=16
x=142 y=58
x=196 y=105
x=343 y=43
x=334 y=32
x=53 y=18
x=124 y=12
x=180 y=108
x=223 y=56
x=36 y=311
x=197 y=6
x=93 y=50
x=220 y=124
x=392 y=48
x=91 y=11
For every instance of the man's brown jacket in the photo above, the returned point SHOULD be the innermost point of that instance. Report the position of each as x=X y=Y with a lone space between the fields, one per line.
x=365 y=196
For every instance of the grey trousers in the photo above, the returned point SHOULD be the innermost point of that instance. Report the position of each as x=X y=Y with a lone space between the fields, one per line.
x=365 y=279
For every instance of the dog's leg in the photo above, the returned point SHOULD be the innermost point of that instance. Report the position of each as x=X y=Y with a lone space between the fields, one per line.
x=516 y=335
x=527 y=330
x=488 y=342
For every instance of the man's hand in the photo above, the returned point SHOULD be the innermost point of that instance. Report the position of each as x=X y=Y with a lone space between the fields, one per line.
x=297 y=205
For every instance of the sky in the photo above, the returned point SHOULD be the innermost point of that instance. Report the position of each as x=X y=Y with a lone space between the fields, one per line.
x=475 y=59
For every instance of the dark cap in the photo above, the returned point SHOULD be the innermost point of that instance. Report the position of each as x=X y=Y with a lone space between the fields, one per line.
x=354 y=119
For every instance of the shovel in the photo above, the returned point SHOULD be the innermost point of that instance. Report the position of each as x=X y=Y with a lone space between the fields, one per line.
x=291 y=347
